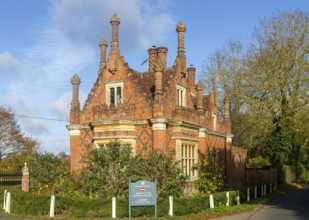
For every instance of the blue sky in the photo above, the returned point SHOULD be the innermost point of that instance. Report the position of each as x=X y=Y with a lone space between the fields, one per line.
x=44 y=42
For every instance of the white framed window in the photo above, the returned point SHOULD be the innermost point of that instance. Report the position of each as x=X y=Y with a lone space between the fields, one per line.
x=114 y=93
x=181 y=96
x=187 y=155
x=188 y=160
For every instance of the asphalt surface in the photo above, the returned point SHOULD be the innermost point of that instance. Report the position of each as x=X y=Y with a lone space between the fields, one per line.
x=292 y=206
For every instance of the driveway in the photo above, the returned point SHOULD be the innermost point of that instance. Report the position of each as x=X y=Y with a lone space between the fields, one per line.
x=292 y=206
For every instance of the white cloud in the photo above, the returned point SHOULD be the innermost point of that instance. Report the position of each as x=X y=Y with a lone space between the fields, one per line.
x=86 y=22
x=9 y=65
x=61 y=107
x=68 y=44
x=35 y=127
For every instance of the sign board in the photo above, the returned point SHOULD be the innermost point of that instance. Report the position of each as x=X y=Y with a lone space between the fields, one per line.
x=142 y=193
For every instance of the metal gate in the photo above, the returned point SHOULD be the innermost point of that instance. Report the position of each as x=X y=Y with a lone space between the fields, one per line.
x=10 y=180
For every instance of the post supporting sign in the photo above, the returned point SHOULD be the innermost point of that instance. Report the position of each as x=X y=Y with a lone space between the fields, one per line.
x=142 y=193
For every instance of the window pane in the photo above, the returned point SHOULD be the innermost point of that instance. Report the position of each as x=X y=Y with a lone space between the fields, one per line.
x=119 y=98
x=187 y=159
x=112 y=95
x=181 y=150
x=182 y=166
x=190 y=167
x=192 y=151
x=181 y=98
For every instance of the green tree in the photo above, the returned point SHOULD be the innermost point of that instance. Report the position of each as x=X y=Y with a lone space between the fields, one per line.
x=268 y=83
x=47 y=170
x=105 y=171
x=14 y=161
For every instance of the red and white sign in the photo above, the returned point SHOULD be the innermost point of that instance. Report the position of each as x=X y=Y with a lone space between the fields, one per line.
x=142 y=189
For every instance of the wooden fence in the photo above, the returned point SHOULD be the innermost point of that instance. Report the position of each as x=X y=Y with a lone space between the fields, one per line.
x=258 y=176
x=10 y=180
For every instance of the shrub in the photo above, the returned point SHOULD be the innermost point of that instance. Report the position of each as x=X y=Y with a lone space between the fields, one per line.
x=258 y=162
x=210 y=174
x=108 y=170
x=159 y=165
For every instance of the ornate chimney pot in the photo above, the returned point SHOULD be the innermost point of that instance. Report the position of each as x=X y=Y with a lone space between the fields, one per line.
x=75 y=105
x=199 y=88
x=114 y=52
x=103 y=46
x=226 y=107
x=75 y=80
x=115 y=21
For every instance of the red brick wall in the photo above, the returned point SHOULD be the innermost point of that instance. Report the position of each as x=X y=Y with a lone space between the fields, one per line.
x=139 y=105
x=237 y=158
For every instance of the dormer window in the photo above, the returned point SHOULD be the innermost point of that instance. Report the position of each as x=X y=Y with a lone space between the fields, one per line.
x=114 y=93
x=181 y=96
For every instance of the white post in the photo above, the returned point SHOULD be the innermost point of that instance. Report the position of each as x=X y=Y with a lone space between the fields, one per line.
x=170 y=211
x=238 y=198
x=262 y=190
x=8 y=203
x=52 y=207
x=4 y=199
x=211 y=201
x=270 y=188
x=265 y=191
x=227 y=198
x=255 y=192
x=114 y=207
x=248 y=194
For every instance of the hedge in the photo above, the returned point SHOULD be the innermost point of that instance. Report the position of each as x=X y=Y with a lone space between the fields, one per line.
x=27 y=204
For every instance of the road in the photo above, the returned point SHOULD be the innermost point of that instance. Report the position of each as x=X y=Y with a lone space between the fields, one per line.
x=293 y=206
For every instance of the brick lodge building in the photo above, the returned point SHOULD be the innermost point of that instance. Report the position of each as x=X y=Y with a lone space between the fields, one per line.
x=162 y=108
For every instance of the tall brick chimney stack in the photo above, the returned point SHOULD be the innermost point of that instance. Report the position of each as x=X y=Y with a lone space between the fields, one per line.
x=191 y=78
x=162 y=57
x=181 y=60
x=200 y=107
x=157 y=104
x=227 y=108
x=75 y=105
x=213 y=96
x=158 y=80
x=152 y=58
x=181 y=29
x=103 y=46
x=114 y=52
x=226 y=116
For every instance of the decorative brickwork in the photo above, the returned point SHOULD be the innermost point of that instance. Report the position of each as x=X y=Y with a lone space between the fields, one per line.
x=103 y=46
x=162 y=108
